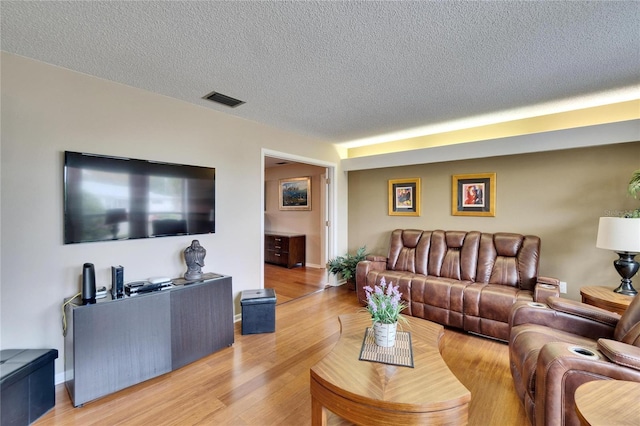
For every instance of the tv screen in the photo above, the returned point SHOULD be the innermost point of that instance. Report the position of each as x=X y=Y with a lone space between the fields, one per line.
x=112 y=198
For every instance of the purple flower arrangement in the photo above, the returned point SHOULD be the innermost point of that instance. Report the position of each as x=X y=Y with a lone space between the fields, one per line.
x=384 y=303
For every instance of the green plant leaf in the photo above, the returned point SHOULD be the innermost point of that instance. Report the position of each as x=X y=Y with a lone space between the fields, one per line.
x=346 y=265
x=634 y=184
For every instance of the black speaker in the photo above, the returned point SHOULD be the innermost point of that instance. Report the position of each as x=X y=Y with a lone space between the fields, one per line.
x=88 y=284
x=117 y=282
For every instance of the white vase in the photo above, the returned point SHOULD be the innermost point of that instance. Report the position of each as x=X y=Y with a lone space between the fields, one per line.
x=385 y=334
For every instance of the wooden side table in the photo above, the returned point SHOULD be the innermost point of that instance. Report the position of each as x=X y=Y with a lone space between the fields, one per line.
x=608 y=402
x=605 y=298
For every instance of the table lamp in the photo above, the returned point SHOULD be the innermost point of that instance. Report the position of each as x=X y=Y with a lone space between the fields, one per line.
x=621 y=235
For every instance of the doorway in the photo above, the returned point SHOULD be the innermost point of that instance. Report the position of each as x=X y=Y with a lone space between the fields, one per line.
x=316 y=223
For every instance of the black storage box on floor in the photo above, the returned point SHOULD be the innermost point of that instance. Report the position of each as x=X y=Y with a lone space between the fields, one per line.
x=27 y=388
x=258 y=311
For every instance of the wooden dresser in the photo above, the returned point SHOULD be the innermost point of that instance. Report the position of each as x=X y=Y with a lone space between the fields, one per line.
x=285 y=249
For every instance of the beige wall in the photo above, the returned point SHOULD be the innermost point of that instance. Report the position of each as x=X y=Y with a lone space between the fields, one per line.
x=47 y=110
x=303 y=222
x=558 y=196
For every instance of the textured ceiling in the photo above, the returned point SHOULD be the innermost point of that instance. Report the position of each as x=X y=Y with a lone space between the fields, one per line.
x=341 y=70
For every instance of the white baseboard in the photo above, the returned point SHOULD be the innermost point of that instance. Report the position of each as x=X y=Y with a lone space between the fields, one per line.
x=335 y=280
x=59 y=378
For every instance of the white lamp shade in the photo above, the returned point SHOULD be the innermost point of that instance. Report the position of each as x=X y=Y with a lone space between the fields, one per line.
x=619 y=234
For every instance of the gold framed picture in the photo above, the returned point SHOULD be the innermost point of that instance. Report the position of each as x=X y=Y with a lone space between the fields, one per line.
x=404 y=197
x=295 y=193
x=473 y=195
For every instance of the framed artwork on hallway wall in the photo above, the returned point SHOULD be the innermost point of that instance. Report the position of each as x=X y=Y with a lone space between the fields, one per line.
x=473 y=195
x=295 y=193
x=404 y=197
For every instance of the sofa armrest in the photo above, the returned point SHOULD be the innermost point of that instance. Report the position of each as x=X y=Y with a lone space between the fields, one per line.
x=373 y=263
x=583 y=310
x=620 y=353
x=546 y=287
x=374 y=258
x=542 y=314
x=560 y=371
x=548 y=280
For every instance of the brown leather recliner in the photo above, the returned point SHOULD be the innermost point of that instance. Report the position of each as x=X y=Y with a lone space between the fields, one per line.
x=556 y=347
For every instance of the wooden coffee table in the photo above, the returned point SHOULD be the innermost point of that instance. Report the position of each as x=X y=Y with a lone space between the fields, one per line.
x=366 y=392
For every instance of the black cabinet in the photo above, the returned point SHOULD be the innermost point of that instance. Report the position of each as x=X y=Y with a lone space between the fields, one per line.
x=285 y=249
x=201 y=321
x=114 y=344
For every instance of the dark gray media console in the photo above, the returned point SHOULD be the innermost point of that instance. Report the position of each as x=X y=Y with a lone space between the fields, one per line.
x=114 y=344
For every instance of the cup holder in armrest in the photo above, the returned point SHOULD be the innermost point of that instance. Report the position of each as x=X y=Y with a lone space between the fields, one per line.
x=537 y=305
x=583 y=352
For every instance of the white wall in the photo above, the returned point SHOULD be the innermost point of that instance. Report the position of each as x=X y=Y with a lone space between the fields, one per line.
x=47 y=110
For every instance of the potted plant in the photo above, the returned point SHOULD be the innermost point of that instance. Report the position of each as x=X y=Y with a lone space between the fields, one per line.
x=345 y=266
x=634 y=190
x=384 y=305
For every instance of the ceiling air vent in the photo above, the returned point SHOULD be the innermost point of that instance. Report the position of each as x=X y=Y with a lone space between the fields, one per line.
x=223 y=99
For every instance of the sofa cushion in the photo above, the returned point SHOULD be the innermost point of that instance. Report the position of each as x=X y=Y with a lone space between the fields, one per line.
x=487 y=308
x=508 y=259
x=454 y=254
x=438 y=299
x=407 y=246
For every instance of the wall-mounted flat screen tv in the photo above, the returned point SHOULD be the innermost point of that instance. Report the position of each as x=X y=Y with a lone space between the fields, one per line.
x=113 y=198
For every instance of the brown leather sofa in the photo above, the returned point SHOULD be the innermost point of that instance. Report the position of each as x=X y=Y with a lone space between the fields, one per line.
x=556 y=347
x=468 y=280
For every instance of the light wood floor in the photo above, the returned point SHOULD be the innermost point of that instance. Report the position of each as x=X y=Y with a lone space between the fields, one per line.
x=263 y=379
x=292 y=283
